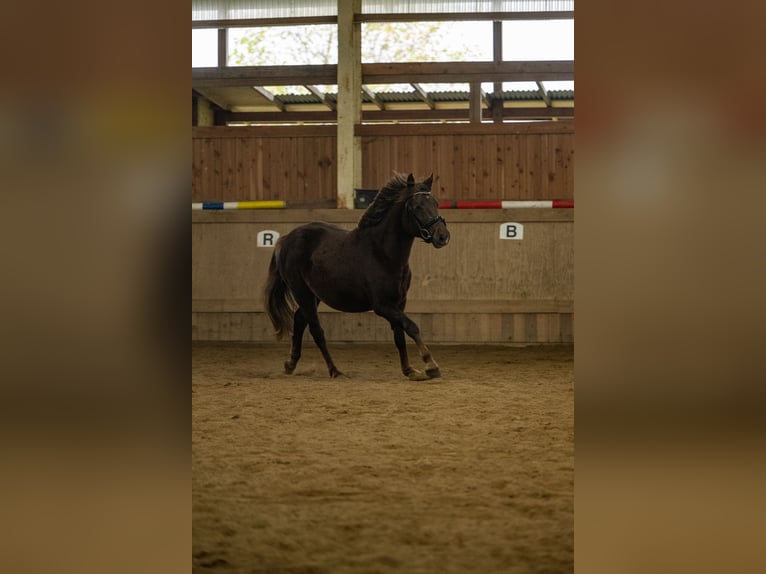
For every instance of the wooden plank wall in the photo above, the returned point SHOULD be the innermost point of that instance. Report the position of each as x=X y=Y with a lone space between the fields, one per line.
x=479 y=289
x=482 y=162
x=237 y=164
x=298 y=163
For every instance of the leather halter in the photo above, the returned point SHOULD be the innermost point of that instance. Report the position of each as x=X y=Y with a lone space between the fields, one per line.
x=424 y=228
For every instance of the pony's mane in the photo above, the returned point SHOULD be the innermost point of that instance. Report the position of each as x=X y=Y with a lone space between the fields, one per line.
x=390 y=194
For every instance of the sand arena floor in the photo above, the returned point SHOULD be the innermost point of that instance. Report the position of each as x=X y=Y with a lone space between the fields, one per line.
x=472 y=472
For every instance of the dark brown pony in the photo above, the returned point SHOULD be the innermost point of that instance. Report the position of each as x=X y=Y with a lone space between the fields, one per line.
x=359 y=270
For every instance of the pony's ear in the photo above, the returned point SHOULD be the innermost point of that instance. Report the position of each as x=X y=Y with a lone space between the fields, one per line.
x=410 y=180
x=429 y=181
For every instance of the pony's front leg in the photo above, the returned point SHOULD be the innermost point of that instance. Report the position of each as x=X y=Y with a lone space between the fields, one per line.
x=399 y=320
x=401 y=345
x=432 y=369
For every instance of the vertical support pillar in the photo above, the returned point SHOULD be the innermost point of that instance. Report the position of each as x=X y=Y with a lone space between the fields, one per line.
x=474 y=111
x=223 y=47
x=203 y=113
x=349 y=102
x=497 y=57
x=219 y=115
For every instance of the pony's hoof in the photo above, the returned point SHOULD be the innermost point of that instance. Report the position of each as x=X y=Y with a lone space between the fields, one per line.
x=336 y=374
x=433 y=373
x=289 y=367
x=415 y=375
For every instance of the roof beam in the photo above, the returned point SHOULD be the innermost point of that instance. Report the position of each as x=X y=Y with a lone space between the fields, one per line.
x=563 y=126
x=264 y=76
x=544 y=94
x=259 y=22
x=461 y=16
x=272 y=99
x=214 y=99
x=387 y=73
x=448 y=72
x=424 y=96
x=388 y=115
x=414 y=17
x=374 y=97
x=321 y=95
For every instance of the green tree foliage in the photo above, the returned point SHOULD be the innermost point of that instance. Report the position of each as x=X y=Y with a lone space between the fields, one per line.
x=318 y=44
x=281 y=46
x=413 y=42
x=381 y=42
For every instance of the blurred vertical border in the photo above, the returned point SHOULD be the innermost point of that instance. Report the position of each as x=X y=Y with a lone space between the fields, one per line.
x=670 y=184
x=95 y=252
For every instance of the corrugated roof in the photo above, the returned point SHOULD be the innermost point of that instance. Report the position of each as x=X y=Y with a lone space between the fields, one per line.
x=561 y=94
x=443 y=96
x=450 y=96
x=390 y=97
x=297 y=98
x=532 y=95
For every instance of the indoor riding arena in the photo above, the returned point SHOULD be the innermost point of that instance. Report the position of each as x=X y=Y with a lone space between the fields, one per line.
x=470 y=469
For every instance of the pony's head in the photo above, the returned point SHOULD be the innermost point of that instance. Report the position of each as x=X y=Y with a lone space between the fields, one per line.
x=419 y=209
x=421 y=213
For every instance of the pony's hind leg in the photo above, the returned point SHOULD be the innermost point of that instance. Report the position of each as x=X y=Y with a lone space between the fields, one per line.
x=308 y=304
x=318 y=334
x=299 y=327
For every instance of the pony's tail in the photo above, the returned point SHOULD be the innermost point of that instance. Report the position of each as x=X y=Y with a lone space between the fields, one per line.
x=277 y=300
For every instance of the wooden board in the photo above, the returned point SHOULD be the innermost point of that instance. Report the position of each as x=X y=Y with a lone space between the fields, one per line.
x=478 y=289
x=299 y=164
